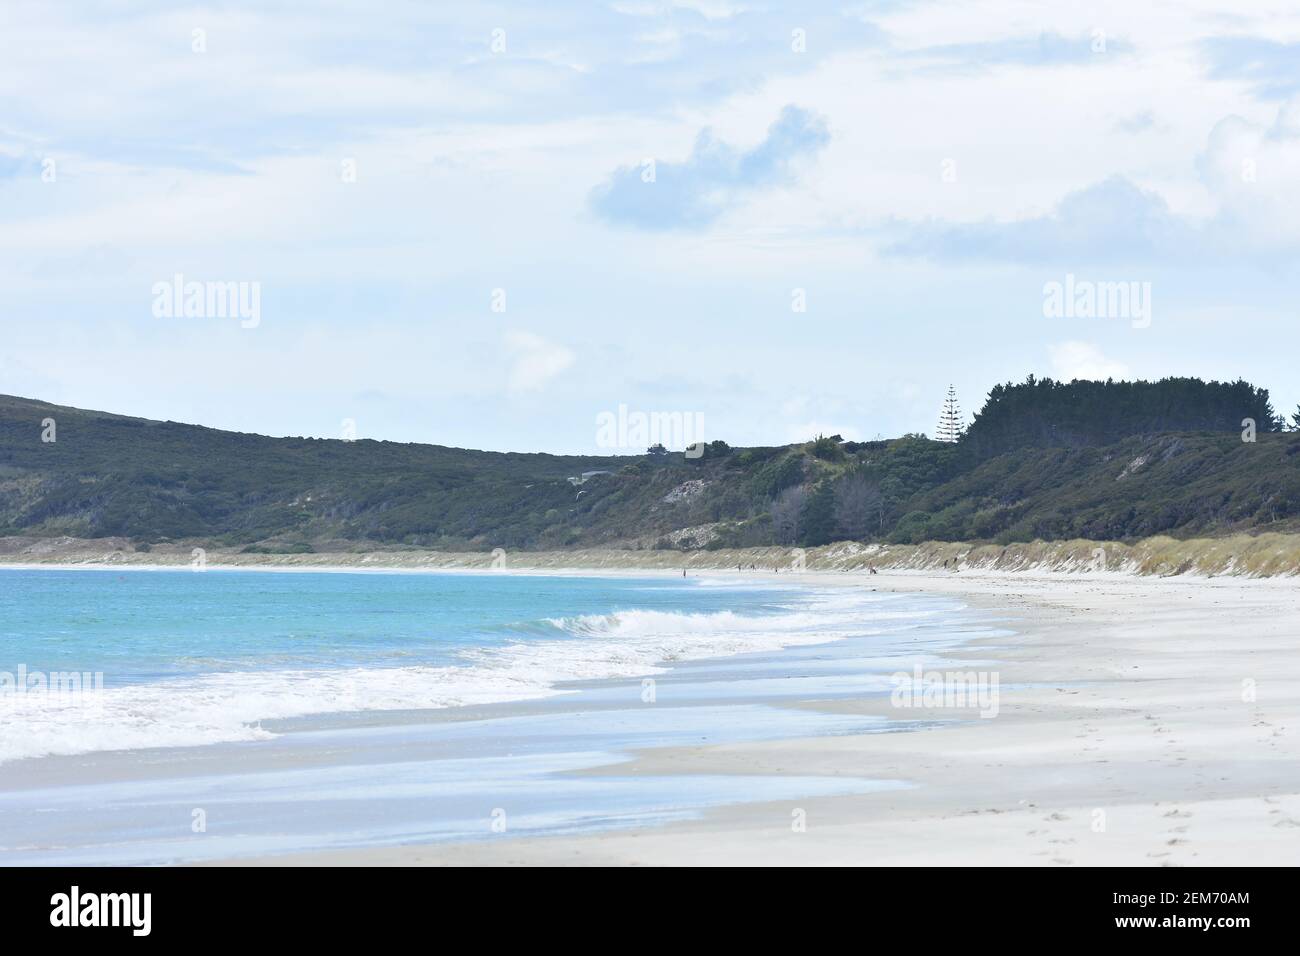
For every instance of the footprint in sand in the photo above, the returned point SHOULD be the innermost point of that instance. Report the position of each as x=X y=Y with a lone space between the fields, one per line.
x=1056 y=816
x=1178 y=813
x=1288 y=822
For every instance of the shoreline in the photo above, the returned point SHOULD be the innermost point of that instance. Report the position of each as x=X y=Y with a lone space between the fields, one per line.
x=1123 y=739
x=1122 y=707
x=1265 y=555
x=586 y=724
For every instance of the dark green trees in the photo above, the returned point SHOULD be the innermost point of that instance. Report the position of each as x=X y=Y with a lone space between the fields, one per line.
x=1043 y=413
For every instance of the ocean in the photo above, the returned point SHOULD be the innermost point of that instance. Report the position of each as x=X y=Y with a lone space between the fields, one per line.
x=310 y=710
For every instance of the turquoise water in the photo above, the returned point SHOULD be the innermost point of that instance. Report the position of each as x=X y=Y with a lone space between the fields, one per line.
x=145 y=626
x=310 y=710
x=191 y=658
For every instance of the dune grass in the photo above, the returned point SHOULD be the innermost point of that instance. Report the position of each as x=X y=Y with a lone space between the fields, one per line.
x=1265 y=555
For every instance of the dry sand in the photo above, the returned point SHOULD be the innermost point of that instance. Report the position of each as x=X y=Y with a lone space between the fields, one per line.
x=1143 y=721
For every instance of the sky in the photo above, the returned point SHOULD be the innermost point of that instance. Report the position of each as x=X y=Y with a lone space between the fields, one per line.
x=487 y=224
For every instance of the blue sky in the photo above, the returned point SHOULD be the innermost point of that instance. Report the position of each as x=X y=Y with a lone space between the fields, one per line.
x=560 y=209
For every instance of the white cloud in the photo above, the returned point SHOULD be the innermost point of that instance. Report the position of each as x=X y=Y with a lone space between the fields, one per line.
x=1075 y=359
x=1253 y=170
x=536 y=361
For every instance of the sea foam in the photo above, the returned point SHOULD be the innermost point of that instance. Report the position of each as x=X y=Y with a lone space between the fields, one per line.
x=231 y=706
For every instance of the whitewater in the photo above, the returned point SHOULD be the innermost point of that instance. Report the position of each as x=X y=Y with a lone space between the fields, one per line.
x=208 y=658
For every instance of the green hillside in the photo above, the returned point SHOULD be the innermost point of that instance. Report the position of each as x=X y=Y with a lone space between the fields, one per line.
x=1043 y=460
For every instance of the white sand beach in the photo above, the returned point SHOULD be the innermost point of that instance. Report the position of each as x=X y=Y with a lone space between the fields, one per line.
x=1142 y=721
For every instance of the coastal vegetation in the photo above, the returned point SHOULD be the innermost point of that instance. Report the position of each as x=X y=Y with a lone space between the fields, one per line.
x=1042 y=461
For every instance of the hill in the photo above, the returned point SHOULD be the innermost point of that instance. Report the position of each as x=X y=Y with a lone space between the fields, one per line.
x=1128 y=468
